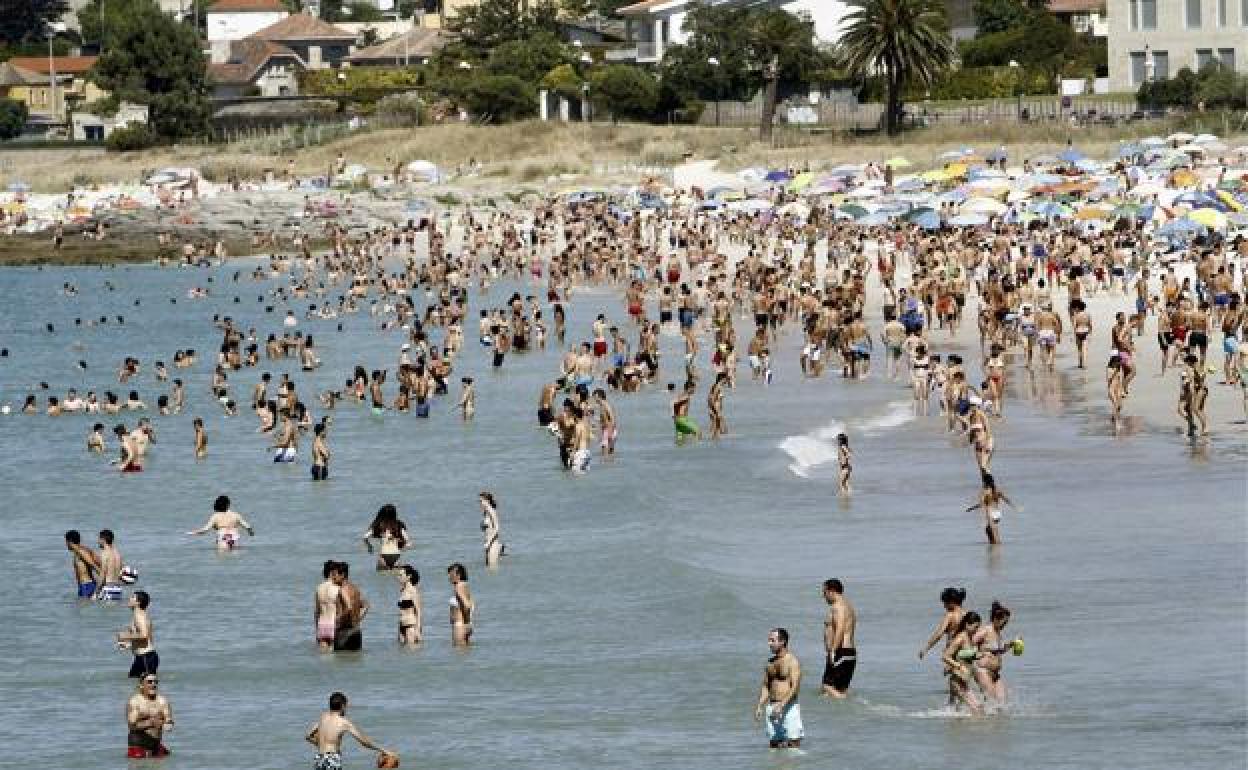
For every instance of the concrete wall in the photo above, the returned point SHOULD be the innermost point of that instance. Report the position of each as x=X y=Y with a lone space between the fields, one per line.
x=1174 y=38
x=236 y=26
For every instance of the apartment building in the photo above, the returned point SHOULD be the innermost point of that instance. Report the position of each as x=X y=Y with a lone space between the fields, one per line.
x=1154 y=39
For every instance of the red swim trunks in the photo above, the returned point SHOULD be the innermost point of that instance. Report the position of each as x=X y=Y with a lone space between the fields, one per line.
x=600 y=348
x=138 y=752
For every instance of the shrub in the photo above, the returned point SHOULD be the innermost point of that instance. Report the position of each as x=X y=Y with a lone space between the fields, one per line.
x=627 y=92
x=500 y=97
x=13 y=116
x=408 y=106
x=136 y=136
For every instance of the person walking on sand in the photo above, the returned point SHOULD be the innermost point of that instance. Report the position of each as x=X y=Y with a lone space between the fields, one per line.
x=327 y=734
x=838 y=640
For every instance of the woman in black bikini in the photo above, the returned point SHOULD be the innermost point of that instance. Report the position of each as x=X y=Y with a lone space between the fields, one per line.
x=491 y=530
x=410 y=626
x=392 y=535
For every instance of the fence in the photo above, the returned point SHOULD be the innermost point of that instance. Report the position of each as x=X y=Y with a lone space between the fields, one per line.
x=851 y=116
x=276 y=134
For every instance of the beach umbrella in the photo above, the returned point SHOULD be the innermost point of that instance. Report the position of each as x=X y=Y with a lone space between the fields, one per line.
x=909 y=184
x=852 y=210
x=936 y=175
x=969 y=220
x=898 y=161
x=953 y=154
x=1090 y=212
x=1181 y=227
x=956 y=169
x=1130 y=150
x=1178 y=161
x=801 y=181
x=1153 y=141
x=983 y=206
x=1184 y=178
x=845 y=169
x=1229 y=201
x=996 y=156
x=1211 y=218
x=777 y=176
x=928 y=220
x=863 y=193
x=1071 y=156
x=1204 y=139
x=875 y=219
x=1238 y=219
x=752 y=205
x=18 y=187
x=1191 y=149
x=1180 y=136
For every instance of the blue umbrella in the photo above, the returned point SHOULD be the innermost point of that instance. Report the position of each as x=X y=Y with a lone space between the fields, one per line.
x=19 y=187
x=1049 y=209
x=996 y=156
x=1071 y=156
x=1129 y=150
x=874 y=220
x=1181 y=227
x=928 y=220
x=777 y=176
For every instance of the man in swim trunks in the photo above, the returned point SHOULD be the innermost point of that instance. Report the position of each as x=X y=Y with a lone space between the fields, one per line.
x=148 y=715
x=84 y=563
x=326 y=735
x=777 y=699
x=138 y=637
x=110 y=568
x=352 y=607
x=838 y=640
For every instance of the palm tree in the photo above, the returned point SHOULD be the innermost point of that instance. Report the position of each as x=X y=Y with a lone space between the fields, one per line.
x=908 y=40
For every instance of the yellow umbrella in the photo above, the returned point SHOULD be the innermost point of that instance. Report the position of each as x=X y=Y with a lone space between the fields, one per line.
x=956 y=169
x=1184 y=179
x=936 y=175
x=1090 y=212
x=801 y=181
x=1211 y=218
x=898 y=161
x=1230 y=201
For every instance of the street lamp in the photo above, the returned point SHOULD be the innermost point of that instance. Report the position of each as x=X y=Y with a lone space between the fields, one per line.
x=714 y=62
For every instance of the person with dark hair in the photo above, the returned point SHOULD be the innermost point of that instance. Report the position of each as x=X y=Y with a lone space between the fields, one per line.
x=777 y=699
x=226 y=523
x=990 y=499
x=960 y=657
x=148 y=715
x=952 y=599
x=462 y=605
x=326 y=735
x=838 y=640
x=352 y=607
x=84 y=563
x=391 y=535
x=992 y=648
x=411 y=626
x=110 y=563
x=491 y=529
x=320 y=451
x=138 y=637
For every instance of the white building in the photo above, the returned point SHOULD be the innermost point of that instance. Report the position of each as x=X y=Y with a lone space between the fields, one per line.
x=1154 y=39
x=230 y=20
x=653 y=25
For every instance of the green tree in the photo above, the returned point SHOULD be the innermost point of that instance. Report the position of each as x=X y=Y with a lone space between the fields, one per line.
x=529 y=59
x=624 y=91
x=13 y=115
x=563 y=81
x=491 y=23
x=908 y=40
x=152 y=59
x=993 y=16
x=25 y=20
x=499 y=98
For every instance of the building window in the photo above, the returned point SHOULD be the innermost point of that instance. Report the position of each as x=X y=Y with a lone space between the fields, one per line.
x=1138 y=75
x=1204 y=57
x=1226 y=57
x=1134 y=13
x=1161 y=65
x=1221 y=13
x=1243 y=12
x=1148 y=14
x=1193 y=14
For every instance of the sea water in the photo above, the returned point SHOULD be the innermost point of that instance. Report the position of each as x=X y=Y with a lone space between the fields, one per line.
x=627 y=625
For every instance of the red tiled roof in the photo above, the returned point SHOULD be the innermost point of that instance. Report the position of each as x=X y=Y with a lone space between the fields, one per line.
x=303 y=26
x=245 y=6
x=247 y=56
x=1076 y=6
x=65 y=65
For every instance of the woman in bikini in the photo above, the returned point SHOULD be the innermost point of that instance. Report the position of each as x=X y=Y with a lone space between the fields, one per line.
x=411 y=627
x=960 y=662
x=462 y=606
x=990 y=499
x=951 y=598
x=391 y=533
x=992 y=648
x=226 y=523
x=491 y=530
x=845 y=459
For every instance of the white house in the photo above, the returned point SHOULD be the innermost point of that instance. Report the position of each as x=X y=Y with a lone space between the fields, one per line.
x=230 y=20
x=653 y=25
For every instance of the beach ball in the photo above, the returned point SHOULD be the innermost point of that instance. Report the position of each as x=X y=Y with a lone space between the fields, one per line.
x=129 y=575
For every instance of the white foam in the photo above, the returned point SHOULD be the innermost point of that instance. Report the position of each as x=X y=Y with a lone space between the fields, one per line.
x=818 y=447
x=899 y=413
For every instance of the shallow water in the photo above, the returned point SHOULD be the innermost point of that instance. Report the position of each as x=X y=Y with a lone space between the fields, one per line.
x=627 y=625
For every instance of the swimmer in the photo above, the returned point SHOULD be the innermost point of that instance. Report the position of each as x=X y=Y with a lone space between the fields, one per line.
x=990 y=499
x=325 y=615
x=391 y=535
x=95 y=439
x=411 y=626
x=777 y=699
x=960 y=663
x=201 y=439
x=326 y=735
x=715 y=406
x=607 y=426
x=845 y=461
x=683 y=426
x=993 y=647
x=838 y=640
x=86 y=567
x=468 y=399
x=148 y=715
x=320 y=452
x=110 y=563
x=226 y=523
x=138 y=637
x=463 y=608
x=491 y=529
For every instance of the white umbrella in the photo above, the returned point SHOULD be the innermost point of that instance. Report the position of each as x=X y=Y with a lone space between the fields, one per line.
x=1180 y=136
x=1153 y=141
x=1204 y=139
x=982 y=206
